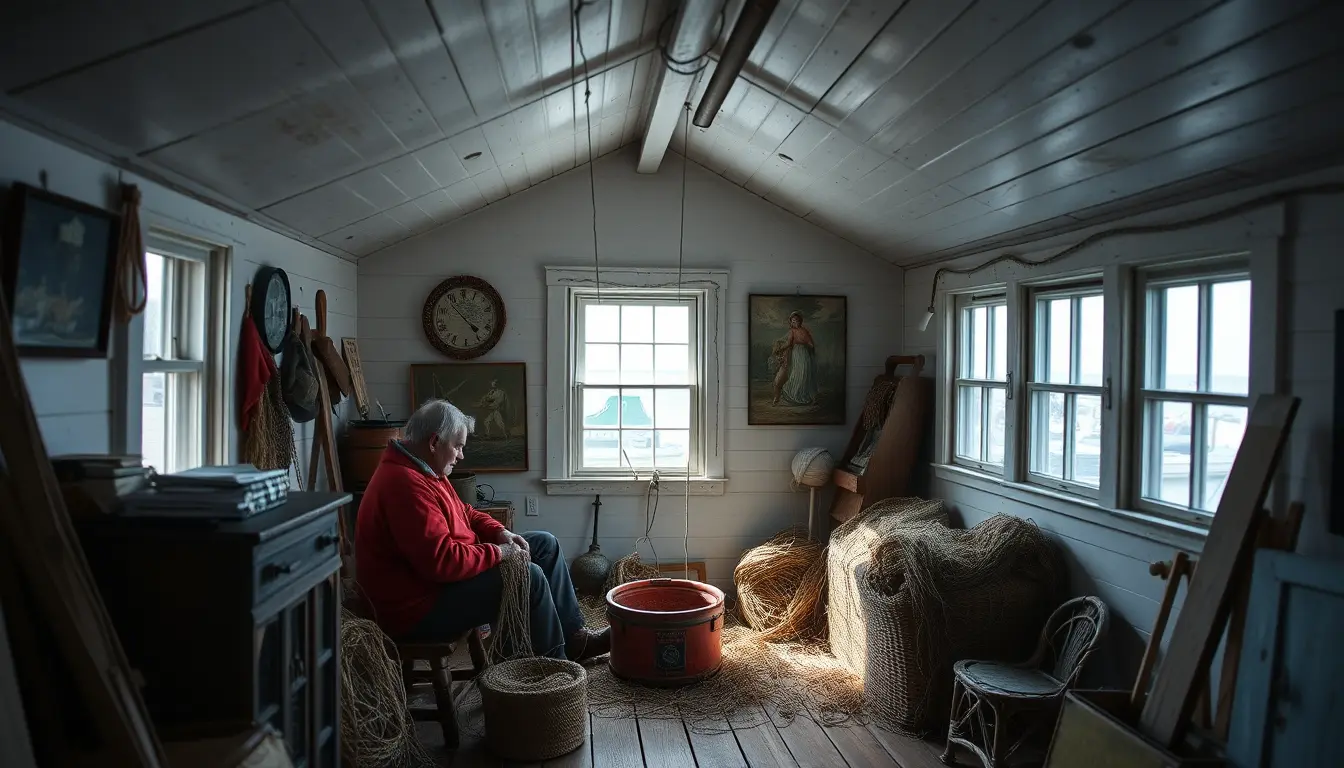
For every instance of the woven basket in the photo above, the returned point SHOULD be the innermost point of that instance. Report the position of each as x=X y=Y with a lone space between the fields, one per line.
x=535 y=709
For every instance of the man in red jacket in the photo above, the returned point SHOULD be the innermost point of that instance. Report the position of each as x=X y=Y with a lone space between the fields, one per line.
x=428 y=563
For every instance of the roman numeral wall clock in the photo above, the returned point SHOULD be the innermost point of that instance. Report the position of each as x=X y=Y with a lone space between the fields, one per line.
x=464 y=317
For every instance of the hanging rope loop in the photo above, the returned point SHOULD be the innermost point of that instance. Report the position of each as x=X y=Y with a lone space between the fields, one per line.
x=132 y=275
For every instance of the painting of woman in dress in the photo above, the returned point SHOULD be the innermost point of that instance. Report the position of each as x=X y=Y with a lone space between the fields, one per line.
x=797 y=365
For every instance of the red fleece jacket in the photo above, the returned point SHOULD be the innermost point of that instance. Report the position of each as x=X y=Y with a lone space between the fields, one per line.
x=412 y=534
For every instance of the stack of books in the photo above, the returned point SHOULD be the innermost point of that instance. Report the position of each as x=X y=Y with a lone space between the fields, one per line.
x=97 y=482
x=230 y=492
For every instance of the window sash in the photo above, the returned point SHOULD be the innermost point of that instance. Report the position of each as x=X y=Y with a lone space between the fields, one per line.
x=693 y=384
x=984 y=422
x=1037 y=454
x=694 y=464
x=1147 y=416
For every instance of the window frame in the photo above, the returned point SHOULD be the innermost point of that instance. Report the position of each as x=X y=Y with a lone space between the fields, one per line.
x=1036 y=358
x=963 y=347
x=582 y=298
x=1146 y=356
x=210 y=279
x=567 y=287
x=1254 y=238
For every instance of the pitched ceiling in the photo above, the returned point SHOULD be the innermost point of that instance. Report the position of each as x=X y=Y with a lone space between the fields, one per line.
x=917 y=129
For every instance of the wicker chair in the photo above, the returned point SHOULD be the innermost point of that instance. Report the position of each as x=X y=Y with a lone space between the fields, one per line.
x=996 y=707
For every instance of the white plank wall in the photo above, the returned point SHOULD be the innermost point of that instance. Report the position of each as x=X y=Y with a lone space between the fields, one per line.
x=72 y=398
x=766 y=250
x=1113 y=564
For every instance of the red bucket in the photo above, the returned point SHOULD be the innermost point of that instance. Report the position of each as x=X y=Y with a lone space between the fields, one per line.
x=665 y=632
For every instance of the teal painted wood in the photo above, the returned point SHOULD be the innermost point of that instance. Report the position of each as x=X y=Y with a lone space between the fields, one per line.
x=1287 y=711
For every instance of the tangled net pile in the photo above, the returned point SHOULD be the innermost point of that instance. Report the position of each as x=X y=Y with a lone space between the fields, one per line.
x=376 y=728
x=773 y=659
x=908 y=595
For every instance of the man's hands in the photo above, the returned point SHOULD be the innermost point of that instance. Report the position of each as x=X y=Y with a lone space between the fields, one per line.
x=509 y=537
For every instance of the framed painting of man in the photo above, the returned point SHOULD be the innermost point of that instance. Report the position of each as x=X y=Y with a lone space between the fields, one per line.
x=797 y=347
x=495 y=395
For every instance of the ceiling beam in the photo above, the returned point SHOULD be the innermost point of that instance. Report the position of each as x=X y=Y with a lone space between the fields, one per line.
x=691 y=37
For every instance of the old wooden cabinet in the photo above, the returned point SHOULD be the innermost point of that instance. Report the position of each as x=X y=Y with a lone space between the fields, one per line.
x=232 y=622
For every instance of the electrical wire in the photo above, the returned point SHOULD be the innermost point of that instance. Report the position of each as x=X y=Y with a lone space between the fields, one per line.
x=1138 y=229
x=665 y=42
x=681 y=257
x=577 y=36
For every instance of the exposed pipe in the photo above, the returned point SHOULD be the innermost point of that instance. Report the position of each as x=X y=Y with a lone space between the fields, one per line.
x=750 y=24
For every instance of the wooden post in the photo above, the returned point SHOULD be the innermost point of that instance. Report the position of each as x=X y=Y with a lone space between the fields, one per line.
x=324 y=433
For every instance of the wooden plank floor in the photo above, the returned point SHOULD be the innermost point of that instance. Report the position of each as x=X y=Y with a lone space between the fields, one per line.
x=748 y=740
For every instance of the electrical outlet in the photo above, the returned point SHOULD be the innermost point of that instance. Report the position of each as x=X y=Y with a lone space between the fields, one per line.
x=531 y=510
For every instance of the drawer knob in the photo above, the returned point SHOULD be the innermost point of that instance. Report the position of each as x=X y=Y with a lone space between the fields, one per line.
x=326 y=540
x=275 y=570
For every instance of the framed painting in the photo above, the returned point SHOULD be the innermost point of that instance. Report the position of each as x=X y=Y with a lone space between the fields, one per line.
x=59 y=257
x=495 y=394
x=797 y=348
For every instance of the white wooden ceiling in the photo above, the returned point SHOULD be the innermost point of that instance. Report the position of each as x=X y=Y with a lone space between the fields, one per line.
x=918 y=129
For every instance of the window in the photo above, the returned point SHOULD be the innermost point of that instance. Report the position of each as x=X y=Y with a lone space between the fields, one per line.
x=1196 y=384
x=182 y=369
x=1065 y=388
x=633 y=386
x=982 y=382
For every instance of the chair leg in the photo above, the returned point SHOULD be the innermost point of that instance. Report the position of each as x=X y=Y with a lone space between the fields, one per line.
x=949 y=756
x=477 y=649
x=443 y=700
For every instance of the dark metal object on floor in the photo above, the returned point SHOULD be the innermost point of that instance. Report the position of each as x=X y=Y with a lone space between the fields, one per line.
x=589 y=571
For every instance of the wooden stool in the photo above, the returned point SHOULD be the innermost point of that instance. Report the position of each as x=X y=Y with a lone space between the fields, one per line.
x=441 y=677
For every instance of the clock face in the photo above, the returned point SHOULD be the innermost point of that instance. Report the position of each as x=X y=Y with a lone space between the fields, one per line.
x=464 y=317
x=276 y=309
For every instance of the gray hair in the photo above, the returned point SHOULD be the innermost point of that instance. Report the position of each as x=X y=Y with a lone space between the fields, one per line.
x=437 y=417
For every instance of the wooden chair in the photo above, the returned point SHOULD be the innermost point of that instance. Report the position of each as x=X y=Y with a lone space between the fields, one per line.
x=996 y=707
x=441 y=676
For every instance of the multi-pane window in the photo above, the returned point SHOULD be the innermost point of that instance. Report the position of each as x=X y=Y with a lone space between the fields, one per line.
x=637 y=404
x=1066 y=388
x=173 y=397
x=981 y=382
x=1196 y=377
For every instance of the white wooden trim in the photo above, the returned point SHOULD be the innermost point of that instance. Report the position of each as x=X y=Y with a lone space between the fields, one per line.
x=616 y=486
x=1188 y=538
x=562 y=283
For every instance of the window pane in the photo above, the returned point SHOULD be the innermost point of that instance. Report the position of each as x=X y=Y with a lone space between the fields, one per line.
x=979 y=325
x=999 y=371
x=1087 y=440
x=1047 y=434
x=600 y=448
x=672 y=364
x=636 y=448
x=672 y=325
x=968 y=423
x=602 y=364
x=1058 y=315
x=601 y=322
x=154 y=310
x=1225 y=427
x=1180 y=348
x=636 y=363
x=601 y=408
x=997 y=415
x=672 y=409
x=1169 y=480
x=636 y=408
x=1230 y=345
x=154 y=421
x=669 y=447
x=636 y=324
x=1091 y=333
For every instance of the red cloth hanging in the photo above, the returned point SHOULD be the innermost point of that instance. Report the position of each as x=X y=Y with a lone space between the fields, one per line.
x=255 y=369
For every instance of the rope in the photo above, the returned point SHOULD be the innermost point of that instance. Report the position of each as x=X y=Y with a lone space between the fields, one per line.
x=131 y=270
x=376 y=727
x=513 y=628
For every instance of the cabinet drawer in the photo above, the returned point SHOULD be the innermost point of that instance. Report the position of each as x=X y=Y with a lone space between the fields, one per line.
x=279 y=564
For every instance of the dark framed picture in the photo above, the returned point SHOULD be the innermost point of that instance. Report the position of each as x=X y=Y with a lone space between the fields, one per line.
x=797 y=345
x=495 y=394
x=59 y=258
